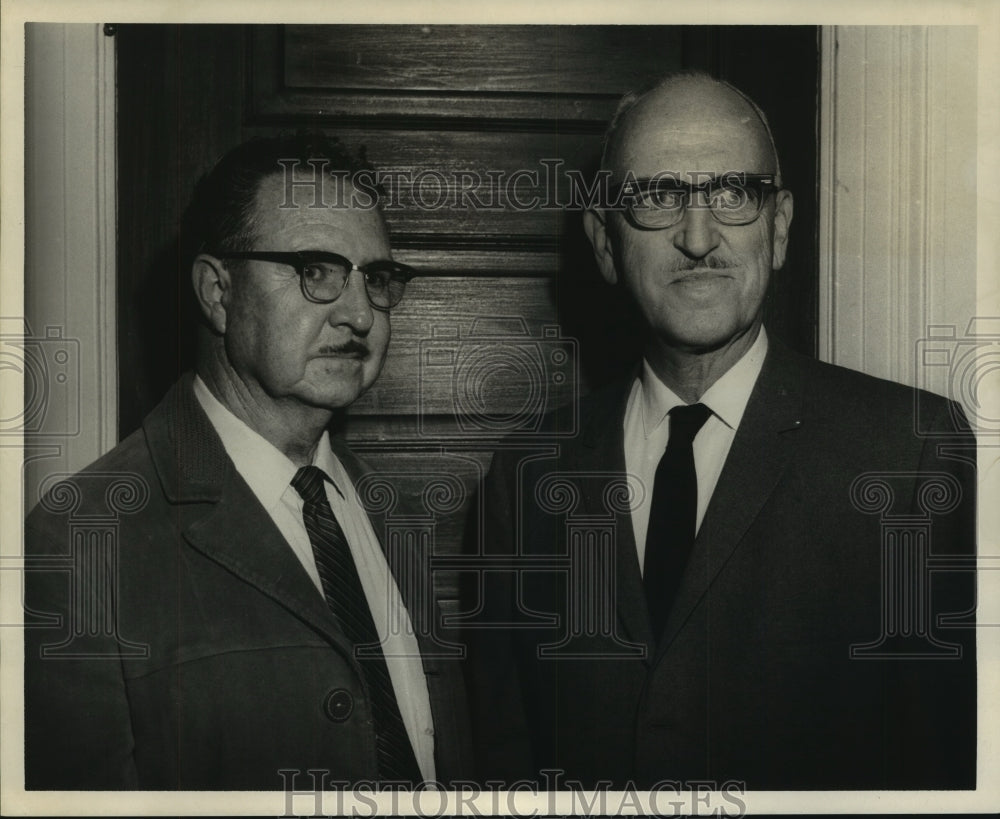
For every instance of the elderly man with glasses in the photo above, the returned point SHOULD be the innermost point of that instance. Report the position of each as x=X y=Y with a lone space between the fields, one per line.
x=745 y=595
x=253 y=632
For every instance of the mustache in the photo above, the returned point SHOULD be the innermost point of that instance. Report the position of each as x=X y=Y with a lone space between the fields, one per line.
x=352 y=347
x=709 y=263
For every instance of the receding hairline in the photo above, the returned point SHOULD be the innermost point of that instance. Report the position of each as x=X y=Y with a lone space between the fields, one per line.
x=633 y=99
x=272 y=188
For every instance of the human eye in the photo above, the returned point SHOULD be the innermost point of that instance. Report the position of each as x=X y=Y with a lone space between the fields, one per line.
x=319 y=272
x=313 y=272
x=323 y=280
x=731 y=197
x=663 y=197
x=377 y=280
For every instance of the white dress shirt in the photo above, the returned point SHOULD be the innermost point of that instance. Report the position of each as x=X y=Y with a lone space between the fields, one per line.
x=647 y=430
x=268 y=473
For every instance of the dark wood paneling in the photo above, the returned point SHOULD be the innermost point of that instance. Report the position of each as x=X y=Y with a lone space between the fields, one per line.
x=451 y=353
x=511 y=74
x=475 y=185
x=495 y=59
x=450 y=100
x=453 y=255
x=509 y=315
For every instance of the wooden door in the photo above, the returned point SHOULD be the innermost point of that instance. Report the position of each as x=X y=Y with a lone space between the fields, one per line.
x=509 y=317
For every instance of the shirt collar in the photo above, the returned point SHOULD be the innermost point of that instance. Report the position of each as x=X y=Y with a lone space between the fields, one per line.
x=727 y=398
x=267 y=471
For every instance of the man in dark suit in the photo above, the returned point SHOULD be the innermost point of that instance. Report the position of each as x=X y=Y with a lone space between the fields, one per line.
x=227 y=601
x=723 y=575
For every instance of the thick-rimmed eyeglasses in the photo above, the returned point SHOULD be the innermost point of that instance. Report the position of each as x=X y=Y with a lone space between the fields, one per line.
x=323 y=276
x=661 y=202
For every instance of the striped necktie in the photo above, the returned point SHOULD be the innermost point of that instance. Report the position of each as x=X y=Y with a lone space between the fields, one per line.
x=346 y=598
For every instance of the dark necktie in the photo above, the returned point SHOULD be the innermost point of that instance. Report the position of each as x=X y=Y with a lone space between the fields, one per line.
x=346 y=598
x=672 y=514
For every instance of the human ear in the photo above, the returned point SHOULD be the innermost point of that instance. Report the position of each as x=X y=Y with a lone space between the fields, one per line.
x=783 y=209
x=596 y=228
x=211 y=281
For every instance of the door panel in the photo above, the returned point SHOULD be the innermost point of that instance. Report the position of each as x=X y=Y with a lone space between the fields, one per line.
x=486 y=129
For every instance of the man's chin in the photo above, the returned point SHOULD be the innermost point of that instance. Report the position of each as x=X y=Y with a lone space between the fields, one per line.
x=340 y=397
x=333 y=382
x=330 y=395
x=708 y=340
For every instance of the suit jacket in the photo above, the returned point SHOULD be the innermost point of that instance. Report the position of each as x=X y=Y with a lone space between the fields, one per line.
x=189 y=648
x=754 y=679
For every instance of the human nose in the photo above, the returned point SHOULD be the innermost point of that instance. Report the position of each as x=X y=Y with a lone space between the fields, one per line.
x=352 y=307
x=697 y=234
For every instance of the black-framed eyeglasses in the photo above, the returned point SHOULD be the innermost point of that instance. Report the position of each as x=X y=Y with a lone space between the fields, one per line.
x=323 y=276
x=660 y=202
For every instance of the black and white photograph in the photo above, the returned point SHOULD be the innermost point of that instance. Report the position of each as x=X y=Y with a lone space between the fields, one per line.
x=648 y=465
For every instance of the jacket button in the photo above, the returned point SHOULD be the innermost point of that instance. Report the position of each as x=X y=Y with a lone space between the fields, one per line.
x=338 y=705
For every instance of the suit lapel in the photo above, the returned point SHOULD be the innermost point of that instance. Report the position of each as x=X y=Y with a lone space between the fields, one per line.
x=758 y=457
x=240 y=535
x=603 y=453
x=224 y=520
